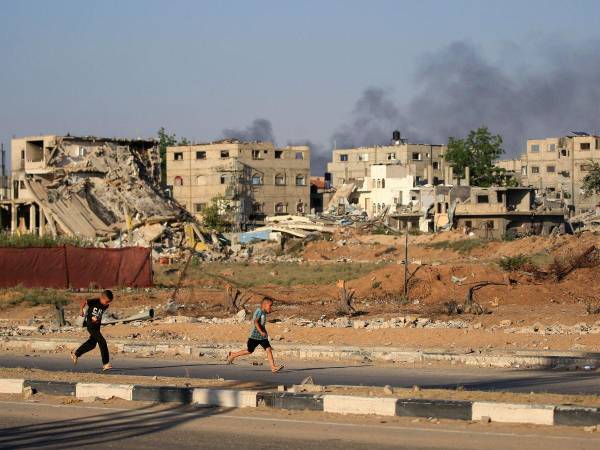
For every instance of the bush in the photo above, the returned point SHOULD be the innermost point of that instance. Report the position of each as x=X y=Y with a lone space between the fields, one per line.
x=36 y=297
x=512 y=263
x=32 y=240
x=462 y=246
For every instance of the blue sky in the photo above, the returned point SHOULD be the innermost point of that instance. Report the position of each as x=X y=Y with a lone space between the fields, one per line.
x=129 y=67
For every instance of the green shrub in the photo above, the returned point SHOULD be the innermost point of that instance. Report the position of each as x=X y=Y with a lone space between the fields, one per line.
x=33 y=240
x=37 y=296
x=512 y=263
x=462 y=246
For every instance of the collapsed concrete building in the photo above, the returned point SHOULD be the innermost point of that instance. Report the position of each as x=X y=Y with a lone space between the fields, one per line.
x=85 y=186
x=490 y=213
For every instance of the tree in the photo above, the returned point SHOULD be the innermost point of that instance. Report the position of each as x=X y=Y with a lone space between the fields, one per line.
x=478 y=151
x=212 y=215
x=164 y=140
x=591 y=182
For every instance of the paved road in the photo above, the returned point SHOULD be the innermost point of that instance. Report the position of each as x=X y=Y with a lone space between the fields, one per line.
x=513 y=380
x=54 y=425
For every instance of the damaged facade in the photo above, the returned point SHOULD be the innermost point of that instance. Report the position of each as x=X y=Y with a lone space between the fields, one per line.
x=556 y=167
x=354 y=164
x=253 y=179
x=90 y=187
x=488 y=213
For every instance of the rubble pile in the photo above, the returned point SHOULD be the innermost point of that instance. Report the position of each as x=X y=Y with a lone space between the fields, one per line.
x=103 y=189
x=587 y=221
x=108 y=192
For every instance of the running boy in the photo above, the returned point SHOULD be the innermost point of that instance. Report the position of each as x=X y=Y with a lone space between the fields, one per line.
x=93 y=319
x=258 y=335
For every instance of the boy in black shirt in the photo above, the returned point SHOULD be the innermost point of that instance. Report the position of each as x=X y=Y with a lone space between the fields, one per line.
x=93 y=319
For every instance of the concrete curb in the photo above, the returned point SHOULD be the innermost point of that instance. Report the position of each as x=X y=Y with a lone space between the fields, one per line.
x=340 y=404
x=11 y=386
x=542 y=359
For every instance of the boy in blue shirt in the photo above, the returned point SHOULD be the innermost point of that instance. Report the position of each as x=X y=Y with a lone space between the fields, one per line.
x=258 y=335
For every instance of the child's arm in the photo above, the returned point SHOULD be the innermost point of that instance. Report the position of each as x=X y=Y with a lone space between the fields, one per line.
x=83 y=303
x=259 y=327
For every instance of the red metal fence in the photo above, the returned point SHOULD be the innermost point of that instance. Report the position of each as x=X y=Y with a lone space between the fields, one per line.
x=65 y=267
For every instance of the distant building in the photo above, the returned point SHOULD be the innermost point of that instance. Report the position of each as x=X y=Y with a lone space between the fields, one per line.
x=556 y=167
x=320 y=194
x=253 y=179
x=387 y=186
x=489 y=213
x=354 y=164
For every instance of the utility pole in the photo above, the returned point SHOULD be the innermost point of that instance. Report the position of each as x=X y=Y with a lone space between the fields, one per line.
x=406 y=262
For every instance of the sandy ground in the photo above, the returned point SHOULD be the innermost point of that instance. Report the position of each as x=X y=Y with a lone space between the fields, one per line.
x=407 y=338
x=523 y=300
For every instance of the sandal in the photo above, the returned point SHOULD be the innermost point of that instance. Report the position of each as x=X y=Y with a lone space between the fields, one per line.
x=74 y=358
x=106 y=367
x=276 y=369
x=228 y=359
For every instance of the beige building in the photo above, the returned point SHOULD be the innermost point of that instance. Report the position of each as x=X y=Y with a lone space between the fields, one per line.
x=254 y=179
x=354 y=164
x=557 y=166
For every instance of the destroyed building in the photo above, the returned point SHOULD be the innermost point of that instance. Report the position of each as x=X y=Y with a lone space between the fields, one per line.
x=253 y=179
x=321 y=193
x=354 y=164
x=489 y=213
x=556 y=167
x=85 y=186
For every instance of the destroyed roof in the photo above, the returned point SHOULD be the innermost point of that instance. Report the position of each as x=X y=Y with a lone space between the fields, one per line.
x=90 y=138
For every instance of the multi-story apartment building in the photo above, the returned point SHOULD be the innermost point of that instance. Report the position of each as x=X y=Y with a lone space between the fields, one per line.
x=558 y=165
x=354 y=164
x=252 y=179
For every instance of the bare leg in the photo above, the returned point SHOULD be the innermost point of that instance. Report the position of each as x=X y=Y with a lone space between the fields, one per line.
x=274 y=368
x=232 y=356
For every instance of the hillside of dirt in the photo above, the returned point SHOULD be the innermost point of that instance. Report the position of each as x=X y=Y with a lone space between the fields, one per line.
x=531 y=291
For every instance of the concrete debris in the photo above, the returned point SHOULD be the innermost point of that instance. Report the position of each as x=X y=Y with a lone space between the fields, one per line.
x=106 y=191
x=147 y=314
x=28 y=392
x=241 y=315
x=307 y=380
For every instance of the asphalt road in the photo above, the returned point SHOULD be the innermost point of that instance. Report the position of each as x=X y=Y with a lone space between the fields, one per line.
x=470 y=378
x=25 y=425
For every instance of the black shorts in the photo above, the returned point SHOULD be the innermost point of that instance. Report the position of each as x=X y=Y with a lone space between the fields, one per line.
x=253 y=343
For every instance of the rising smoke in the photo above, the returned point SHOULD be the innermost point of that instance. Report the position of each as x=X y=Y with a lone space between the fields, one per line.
x=458 y=89
x=258 y=130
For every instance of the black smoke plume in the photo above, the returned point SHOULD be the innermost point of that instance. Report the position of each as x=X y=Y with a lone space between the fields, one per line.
x=258 y=130
x=458 y=89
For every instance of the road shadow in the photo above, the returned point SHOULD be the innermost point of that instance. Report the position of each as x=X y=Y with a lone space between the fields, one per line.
x=110 y=427
x=527 y=383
